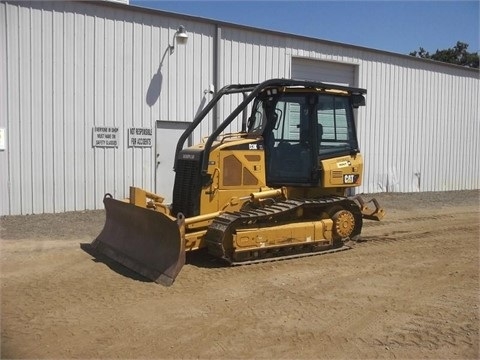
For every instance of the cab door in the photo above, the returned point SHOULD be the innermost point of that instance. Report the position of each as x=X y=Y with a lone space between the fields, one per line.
x=291 y=142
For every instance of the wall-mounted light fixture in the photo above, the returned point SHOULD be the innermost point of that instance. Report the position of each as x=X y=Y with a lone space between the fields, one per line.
x=180 y=37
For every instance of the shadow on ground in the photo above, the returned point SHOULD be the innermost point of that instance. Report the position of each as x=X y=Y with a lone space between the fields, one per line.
x=200 y=258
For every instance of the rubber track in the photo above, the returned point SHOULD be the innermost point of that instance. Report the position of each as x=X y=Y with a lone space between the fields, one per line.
x=280 y=212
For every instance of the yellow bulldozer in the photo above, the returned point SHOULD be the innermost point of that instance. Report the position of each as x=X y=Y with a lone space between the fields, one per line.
x=277 y=189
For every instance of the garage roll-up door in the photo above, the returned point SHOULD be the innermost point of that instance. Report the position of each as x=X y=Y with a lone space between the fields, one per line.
x=324 y=71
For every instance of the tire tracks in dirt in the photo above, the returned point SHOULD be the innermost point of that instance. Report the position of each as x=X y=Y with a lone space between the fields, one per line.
x=408 y=290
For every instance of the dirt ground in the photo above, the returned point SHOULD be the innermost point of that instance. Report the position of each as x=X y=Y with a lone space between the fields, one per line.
x=409 y=290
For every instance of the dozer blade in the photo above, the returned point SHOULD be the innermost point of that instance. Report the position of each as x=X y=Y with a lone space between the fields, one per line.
x=145 y=241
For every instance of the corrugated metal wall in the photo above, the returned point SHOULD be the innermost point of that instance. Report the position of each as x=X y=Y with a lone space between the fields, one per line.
x=420 y=128
x=67 y=67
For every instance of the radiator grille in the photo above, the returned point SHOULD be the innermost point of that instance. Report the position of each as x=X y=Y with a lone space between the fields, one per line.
x=187 y=188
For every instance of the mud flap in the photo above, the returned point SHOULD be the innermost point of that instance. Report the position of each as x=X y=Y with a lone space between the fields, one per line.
x=145 y=241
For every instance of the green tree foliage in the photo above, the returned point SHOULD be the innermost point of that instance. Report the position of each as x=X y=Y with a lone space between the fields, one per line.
x=457 y=55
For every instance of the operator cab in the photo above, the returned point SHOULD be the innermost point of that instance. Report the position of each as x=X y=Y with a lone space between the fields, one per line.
x=300 y=128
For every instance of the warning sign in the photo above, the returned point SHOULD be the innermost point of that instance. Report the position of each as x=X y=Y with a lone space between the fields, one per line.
x=105 y=136
x=140 y=137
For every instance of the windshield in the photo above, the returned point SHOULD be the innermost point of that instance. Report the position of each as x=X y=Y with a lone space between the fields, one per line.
x=323 y=121
x=336 y=131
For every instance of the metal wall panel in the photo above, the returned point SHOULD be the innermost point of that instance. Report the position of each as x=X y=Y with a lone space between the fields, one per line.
x=69 y=66
x=249 y=57
x=413 y=132
x=5 y=194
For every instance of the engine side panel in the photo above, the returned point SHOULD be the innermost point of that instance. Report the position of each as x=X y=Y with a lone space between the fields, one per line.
x=343 y=172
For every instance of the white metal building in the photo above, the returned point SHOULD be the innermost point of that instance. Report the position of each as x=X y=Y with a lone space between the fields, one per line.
x=74 y=74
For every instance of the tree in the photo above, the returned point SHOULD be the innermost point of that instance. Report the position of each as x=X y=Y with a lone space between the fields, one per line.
x=457 y=55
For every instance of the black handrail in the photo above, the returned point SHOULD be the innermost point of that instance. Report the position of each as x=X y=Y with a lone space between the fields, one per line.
x=229 y=89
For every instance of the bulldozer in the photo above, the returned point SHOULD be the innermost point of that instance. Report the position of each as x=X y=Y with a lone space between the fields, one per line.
x=277 y=189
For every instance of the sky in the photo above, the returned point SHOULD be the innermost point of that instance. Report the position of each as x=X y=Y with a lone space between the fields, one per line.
x=396 y=26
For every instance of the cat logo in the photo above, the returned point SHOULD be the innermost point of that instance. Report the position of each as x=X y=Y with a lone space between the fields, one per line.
x=350 y=178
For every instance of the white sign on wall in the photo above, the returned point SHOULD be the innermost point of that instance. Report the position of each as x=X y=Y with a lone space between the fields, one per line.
x=105 y=136
x=140 y=137
x=2 y=139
